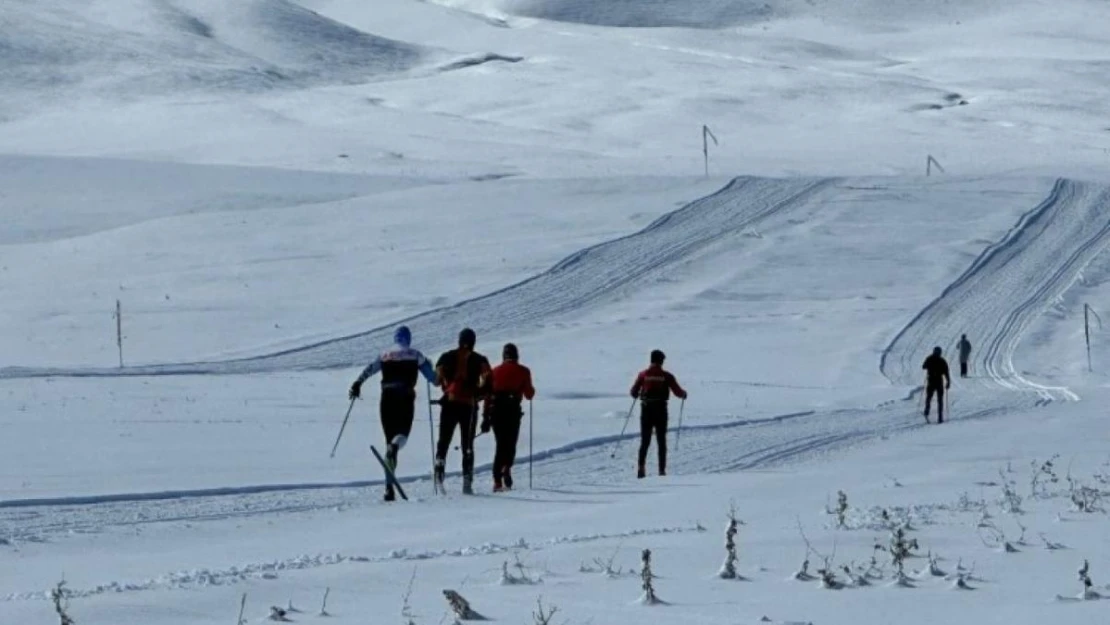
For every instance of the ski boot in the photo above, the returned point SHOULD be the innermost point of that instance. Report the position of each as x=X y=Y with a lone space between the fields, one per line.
x=641 y=472
x=390 y=495
x=468 y=484
x=507 y=476
x=440 y=473
x=498 y=486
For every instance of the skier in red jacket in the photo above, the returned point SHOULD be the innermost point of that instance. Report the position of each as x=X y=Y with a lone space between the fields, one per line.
x=511 y=384
x=653 y=387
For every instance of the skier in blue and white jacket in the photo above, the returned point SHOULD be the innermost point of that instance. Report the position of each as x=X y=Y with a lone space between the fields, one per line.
x=400 y=368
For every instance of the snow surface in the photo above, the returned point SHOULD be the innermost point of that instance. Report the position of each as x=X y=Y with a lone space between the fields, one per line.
x=269 y=186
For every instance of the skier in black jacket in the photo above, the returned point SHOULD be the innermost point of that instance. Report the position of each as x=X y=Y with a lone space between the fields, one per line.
x=463 y=375
x=937 y=381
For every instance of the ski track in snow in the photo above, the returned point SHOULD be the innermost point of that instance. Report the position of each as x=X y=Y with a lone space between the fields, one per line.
x=1011 y=284
x=994 y=301
x=589 y=277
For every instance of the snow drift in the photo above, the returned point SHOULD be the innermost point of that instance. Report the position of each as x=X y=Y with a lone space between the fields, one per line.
x=129 y=48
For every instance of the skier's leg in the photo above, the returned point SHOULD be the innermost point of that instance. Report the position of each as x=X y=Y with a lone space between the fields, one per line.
x=499 y=451
x=661 y=440
x=386 y=410
x=512 y=435
x=929 y=397
x=447 y=422
x=645 y=441
x=467 y=424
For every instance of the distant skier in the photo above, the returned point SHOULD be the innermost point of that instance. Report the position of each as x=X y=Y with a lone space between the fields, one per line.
x=510 y=385
x=937 y=381
x=399 y=367
x=653 y=387
x=964 y=347
x=463 y=375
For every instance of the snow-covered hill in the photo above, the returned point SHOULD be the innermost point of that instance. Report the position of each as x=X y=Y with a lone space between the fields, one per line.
x=269 y=187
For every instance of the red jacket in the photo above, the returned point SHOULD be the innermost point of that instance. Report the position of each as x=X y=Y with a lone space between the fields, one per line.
x=656 y=384
x=510 y=383
x=513 y=378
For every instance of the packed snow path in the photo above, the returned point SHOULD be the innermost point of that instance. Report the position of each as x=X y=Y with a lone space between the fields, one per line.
x=587 y=278
x=1009 y=286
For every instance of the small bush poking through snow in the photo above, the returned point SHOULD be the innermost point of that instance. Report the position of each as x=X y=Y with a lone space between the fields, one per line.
x=728 y=569
x=647 y=580
x=1043 y=475
x=60 y=596
x=542 y=615
x=461 y=607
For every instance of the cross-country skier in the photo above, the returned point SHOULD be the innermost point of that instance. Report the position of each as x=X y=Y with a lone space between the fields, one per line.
x=510 y=385
x=964 y=347
x=463 y=374
x=653 y=387
x=399 y=367
x=937 y=381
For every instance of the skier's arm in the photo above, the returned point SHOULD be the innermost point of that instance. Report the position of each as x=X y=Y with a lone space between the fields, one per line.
x=528 y=391
x=675 y=388
x=370 y=370
x=637 y=385
x=426 y=369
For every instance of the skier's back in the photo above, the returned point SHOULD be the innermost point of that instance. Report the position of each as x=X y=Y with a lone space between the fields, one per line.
x=510 y=385
x=400 y=368
x=964 y=348
x=937 y=381
x=653 y=387
x=463 y=375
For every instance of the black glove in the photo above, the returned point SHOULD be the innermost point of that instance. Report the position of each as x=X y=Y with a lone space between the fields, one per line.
x=486 y=425
x=356 y=390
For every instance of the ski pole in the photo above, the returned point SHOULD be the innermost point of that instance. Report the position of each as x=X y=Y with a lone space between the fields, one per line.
x=626 y=420
x=432 y=437
x=678 y=435
x=343 y=427
x=529 y=444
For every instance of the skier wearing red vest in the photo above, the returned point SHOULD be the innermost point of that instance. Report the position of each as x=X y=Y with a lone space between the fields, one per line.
x=653 y=387
x=510 y=385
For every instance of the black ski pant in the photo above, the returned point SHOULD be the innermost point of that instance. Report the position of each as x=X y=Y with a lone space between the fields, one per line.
x=653 y=418
x=963 y=368
x=938 y=390
x=464 y=416
x=397 y=412
x=506 y=430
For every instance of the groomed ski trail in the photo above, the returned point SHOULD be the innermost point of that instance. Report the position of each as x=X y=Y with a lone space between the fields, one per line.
x=587 y=278
x=1011 y=284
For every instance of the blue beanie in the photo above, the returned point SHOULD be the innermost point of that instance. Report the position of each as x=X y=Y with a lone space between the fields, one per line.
x=402 y=336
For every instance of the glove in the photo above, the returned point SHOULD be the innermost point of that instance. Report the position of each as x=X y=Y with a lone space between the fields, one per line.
x=486 y=425
x=356 y=390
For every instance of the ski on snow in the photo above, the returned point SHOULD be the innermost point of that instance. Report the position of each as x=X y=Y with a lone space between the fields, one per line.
x=390 y=478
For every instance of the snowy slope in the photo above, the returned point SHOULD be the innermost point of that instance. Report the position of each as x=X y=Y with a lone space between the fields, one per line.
x=270 y=186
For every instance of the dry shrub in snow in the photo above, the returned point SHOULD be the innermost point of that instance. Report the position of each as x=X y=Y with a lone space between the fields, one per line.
x=647 y=581
x=461 y=607
x=60 y=596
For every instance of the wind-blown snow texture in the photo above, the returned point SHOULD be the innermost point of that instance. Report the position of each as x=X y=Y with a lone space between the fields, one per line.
x=269 y=187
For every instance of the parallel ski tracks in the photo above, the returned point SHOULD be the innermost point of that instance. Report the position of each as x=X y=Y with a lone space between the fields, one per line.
x=1010 y=285
x=995 y=300
x=587 y=278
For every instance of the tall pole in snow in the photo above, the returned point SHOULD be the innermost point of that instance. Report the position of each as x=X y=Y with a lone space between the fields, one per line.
x=706 y=135
x=119 y=332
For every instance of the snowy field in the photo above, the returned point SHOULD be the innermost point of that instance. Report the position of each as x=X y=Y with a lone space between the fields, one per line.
x=268 y=187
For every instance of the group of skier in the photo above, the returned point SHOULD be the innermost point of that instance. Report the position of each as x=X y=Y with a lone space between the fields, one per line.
x=937 y=378
x=469 y=386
